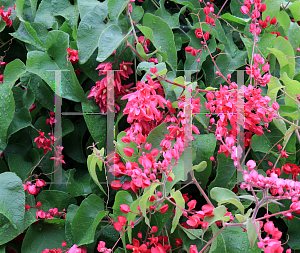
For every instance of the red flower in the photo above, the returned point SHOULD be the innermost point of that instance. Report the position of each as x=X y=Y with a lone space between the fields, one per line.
x=116 y=184
x=208 y=210
x=73 y=55
x=193 y=249
x=124 y=208
x=164 y=208
x=136 y=246
x=178 y=242
x=199 y=33
x=128 y=151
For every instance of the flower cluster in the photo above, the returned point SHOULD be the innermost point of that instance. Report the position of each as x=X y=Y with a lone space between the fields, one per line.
x=273 y=244
x=5 y=15
x=43 y=142
x=34 y=189
x=255 y=70
x=72 y=55
x=255 y=26
x=155 y=244
x=58 y=156
x=100 y=91
x=227 y=103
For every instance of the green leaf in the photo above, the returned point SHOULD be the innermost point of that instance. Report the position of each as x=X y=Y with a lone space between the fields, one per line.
x=78 y=183
x=88 y=34
x=39 y=62
x=220 y=194
x=144 y=66
x=44 y=14
x=116 y=7
x=284 y=20
x=47 y=234
x=294 y=235
x=284 y=52
x=12 y=73
x=172 y=20
x=218 y=212
x=143 y=202
x=86 y=220
x=231 y=18
x=91 y=163
x=294 y=39
x=23 y=98
x=261 y=144
x=191 y=61
x=12 y=199
x=161 y=35
x=295 y=10
x=273 y=87
x=273 y=7
x=19 y=9
x=292 y=87
x=71 y=211
x=280 y=124
x=132 y=216
x=22 y=119
x=55 y=199
x=137 y=12
x=141 y=51
x=27 y=34
x=225 y=171
x=21 y=165
x=157 y=134
x=177 y=196
x=110 y=39
x=193 y=234
x=228 y=64
x=43 y=93
x=86 y=6
x=289 y=111
x=205 y=146
x=234 y=240
x=96 y=124
x=251 y=231
x=179 y=170
x=224 y=195
x=200 y=167
x=122 y=197
x=65 y=9
x=193 y=4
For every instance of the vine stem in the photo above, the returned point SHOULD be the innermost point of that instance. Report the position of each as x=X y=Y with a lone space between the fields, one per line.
x=297 y=131
x=131 y=22
x=200 y=189
x=210 y=241
x=288 y=138
x=133 y=49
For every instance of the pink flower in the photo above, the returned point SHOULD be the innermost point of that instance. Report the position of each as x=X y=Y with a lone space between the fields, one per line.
x=164 y=208
x=73 y=55
x=75 y=249
x=251 y=164
x=275 y=106
x=128 y=151
x=244 y=9
x=193 y=249
x=124 y=208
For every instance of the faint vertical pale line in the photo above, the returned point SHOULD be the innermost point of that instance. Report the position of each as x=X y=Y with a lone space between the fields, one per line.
x=58 y=125
x=240 y=113
x=110 y=146
x=188 y=157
